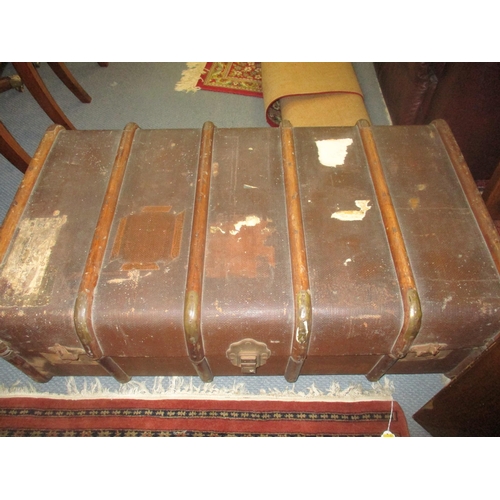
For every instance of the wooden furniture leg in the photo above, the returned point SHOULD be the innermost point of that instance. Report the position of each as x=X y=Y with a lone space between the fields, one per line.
x=39 y=91
x=491 y=195
x=61 y=70
x=12 y=150
x=5 y=84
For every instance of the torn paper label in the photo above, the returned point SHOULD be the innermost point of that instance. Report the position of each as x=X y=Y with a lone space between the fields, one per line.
x=24 y=278
x=332 y=152
x=353 y=215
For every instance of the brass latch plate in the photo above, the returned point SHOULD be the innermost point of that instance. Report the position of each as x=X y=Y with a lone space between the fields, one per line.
x=248 y=354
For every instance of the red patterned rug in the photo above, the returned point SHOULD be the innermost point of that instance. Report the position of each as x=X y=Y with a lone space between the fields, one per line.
x=242 y=78
x=32 y=416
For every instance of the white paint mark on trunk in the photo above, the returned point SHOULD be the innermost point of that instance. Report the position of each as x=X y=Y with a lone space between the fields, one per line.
x=332 y=152
x=353 y=215
x=250 y=221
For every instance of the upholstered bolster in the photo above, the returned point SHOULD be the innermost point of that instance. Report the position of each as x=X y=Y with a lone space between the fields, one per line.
x=324 y=110
x=312 y=94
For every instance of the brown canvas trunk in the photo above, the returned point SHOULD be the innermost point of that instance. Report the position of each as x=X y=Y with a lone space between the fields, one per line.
x=347 y=250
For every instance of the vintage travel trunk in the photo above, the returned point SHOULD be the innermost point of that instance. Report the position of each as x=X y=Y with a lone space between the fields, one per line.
x=346 y=250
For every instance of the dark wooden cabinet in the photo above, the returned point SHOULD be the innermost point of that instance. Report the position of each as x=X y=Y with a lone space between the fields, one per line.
x=470 y=404
x=465 y=95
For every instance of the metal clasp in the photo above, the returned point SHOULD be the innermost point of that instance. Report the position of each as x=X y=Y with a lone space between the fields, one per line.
x=248 y=354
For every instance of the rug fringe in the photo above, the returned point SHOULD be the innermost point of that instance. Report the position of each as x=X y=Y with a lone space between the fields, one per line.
x=190 y=388
x=190 y=77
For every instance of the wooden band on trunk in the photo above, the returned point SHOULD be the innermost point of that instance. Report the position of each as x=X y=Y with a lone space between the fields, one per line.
x=9 y=227
x=474 y=198
x=480 y=212
x=411 y=301
x=194 y=282
x=85 y=298
x=26 y=188
x=300 y=275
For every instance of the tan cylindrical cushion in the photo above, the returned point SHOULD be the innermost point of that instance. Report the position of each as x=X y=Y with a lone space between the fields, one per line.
x=312 y=94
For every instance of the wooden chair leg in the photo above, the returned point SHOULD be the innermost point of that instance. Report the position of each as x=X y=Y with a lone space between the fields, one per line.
x=491 y=194
x=61 y=70
x=5 y=84
x=39 y=91
x=14 y=153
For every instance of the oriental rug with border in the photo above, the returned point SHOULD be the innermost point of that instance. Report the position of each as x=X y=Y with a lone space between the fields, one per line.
x=201 y=412
x=243 y=78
